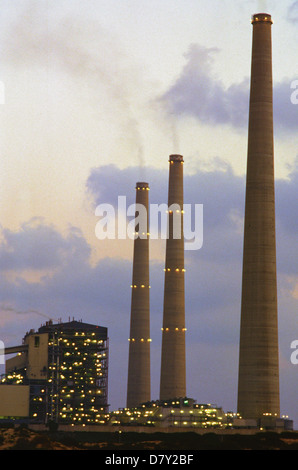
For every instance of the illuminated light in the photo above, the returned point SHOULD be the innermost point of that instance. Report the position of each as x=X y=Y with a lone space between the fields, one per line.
x=176 y=329
x=177 y=270
x=149 y=340
x=161 y=329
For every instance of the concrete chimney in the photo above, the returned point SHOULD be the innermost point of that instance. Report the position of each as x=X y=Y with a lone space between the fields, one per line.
x=138 y=384
x=258 y=386
x=172 y=379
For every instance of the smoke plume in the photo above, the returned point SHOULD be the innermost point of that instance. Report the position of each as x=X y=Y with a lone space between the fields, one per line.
x=25 y=312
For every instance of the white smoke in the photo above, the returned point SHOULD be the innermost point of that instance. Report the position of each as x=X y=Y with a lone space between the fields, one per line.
x=84 y=49
x=262 y=5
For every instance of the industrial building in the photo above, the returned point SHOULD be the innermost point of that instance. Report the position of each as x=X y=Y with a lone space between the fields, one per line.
x=186 y=414
x=59 y=375
x=180 y=412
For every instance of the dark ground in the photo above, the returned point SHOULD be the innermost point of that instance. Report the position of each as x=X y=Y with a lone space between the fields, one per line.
x=24 y=439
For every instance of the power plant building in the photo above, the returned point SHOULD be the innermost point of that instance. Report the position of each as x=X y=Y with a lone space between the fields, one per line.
x=60 y=374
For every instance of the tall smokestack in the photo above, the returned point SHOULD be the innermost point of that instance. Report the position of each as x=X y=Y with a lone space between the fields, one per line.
x=258 y=386
x=138 y=384
x=172 y=379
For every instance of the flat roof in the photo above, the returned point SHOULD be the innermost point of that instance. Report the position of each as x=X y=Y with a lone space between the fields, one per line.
x=73 y=325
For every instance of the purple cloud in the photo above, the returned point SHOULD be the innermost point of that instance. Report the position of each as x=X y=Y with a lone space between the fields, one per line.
x=293 y=12
x=37 y=246
x=199 y=94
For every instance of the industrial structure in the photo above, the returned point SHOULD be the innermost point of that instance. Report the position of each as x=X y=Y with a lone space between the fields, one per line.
x=138 y=384
x=185 y=414
x=173 y=369
x=179 y=413
x=258 y=382
x=59 y=375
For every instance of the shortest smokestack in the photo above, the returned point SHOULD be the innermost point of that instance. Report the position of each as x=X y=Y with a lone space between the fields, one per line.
x=138 y=384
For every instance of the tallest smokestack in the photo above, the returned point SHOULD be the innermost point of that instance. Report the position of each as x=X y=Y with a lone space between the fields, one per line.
x=258 y=386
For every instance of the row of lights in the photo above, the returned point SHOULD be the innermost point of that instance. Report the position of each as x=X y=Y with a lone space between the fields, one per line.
x=177 y=211
x=176 y=329
x=177 y=270
x=143 y=233
x=134 y=286
x=142 y=340
x=262 y=19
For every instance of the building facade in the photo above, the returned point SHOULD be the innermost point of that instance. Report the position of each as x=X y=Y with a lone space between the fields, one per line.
x=65 y=368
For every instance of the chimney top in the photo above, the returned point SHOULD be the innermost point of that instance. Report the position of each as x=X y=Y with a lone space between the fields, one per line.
x=176 y=158
x=142 y=185
x=261 y=18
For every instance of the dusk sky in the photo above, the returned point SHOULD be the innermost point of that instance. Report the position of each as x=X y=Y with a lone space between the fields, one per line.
x=96 y=96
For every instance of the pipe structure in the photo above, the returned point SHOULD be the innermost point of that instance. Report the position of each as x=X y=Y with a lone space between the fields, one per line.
x=138 y=383
x=258 y=380
x=173 y=370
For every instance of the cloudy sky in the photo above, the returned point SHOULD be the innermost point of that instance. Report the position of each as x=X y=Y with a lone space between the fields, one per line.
x=97 y=94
